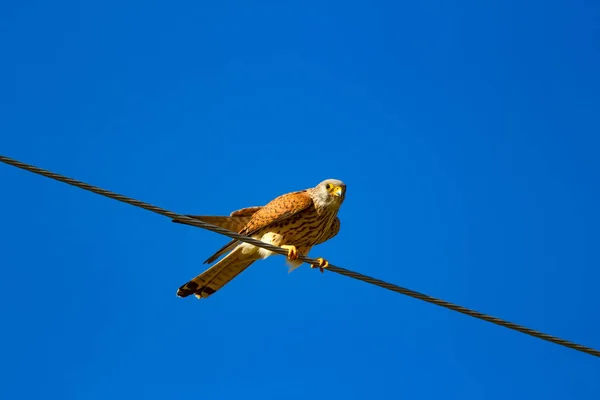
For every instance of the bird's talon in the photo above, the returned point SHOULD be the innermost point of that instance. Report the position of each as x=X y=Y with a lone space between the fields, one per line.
x=322 y=264
x=292 y=252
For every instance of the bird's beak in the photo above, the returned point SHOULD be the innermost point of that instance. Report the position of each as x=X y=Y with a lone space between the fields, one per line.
x=338 y=191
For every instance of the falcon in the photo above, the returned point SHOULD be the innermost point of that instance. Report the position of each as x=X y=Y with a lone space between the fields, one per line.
x=295 y=221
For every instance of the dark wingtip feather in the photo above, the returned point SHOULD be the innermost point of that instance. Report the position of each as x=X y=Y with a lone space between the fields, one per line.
x=189 y=288
x=193 y=288
x=211 y=259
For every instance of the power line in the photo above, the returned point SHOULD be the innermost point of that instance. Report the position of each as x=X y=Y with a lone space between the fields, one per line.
x=279 y=250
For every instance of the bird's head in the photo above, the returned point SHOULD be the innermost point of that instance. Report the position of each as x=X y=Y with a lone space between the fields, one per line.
x=329 y=192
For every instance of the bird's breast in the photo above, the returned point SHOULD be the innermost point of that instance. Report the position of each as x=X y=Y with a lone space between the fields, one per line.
x=304 y=228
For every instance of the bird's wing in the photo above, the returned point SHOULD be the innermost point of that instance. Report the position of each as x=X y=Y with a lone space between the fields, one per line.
x=279 y=209
x=333 y=230
x=246 y=212
x=231 y=223
x=234 y=222
x=276 y=211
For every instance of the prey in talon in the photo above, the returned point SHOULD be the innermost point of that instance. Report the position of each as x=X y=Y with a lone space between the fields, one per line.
x=295 y=221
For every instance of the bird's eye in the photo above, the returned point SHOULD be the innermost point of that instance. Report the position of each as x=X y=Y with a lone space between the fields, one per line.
x=328 y=186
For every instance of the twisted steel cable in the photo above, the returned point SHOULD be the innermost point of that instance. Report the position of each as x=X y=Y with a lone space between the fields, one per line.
x=279 y=250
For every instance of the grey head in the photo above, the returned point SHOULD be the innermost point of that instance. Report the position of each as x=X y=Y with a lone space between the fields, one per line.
x=329 y=193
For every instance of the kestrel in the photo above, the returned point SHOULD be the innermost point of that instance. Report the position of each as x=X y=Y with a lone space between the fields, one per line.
x=296 y=221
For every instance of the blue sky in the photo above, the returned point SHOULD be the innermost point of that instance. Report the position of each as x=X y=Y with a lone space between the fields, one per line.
x=467 y=133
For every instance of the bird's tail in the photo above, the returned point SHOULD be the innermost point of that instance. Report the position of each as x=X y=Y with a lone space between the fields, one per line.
x=217 y=276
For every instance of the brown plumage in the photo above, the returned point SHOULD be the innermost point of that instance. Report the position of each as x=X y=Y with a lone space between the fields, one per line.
x=297 y=221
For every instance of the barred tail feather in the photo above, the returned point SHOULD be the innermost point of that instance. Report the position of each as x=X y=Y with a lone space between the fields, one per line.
x=217 y=276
